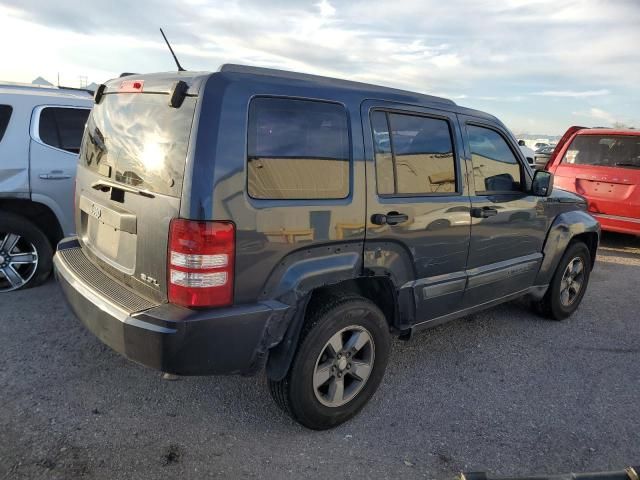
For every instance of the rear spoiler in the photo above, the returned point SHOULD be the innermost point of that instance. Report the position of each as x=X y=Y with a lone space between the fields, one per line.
x=178 y=91
x=565 y=138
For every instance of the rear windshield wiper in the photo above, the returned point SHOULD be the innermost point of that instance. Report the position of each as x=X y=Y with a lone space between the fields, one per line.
x=622 y=164
x=104 y=186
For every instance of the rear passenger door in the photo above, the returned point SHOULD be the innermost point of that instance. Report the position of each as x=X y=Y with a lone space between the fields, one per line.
x=508 y=224
x=417 y=206
x=56 y=134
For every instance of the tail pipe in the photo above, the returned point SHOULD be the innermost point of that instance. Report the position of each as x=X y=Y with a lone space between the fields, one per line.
x=629 y=473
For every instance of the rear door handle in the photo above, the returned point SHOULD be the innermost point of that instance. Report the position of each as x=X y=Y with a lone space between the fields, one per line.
x=391 y=218
x=484 y=212
x=54 y=175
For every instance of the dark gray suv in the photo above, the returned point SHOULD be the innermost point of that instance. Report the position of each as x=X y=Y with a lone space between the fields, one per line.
x=255 y=219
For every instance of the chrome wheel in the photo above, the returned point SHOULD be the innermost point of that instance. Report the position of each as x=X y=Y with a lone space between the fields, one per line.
x=343 y=366
x=18 y=261
x=572 y=281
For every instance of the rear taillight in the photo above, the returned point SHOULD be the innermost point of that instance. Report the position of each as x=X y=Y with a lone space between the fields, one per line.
x=200 y=263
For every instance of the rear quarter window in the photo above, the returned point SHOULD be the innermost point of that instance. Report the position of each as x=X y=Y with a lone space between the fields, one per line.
x=5 y=115
x=62 y=127
x=297 y=149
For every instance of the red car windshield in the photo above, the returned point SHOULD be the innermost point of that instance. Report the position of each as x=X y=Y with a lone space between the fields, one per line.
x=604 y=150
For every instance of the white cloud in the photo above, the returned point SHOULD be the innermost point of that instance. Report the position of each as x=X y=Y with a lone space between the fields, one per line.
x=326 y=9
x=517 y=48
x=573 y=93
x=501 y=98
x=597 y=114
x=446 y=61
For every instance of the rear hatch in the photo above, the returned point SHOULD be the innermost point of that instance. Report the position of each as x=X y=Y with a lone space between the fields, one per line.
x=130 y=173
x=604 y=168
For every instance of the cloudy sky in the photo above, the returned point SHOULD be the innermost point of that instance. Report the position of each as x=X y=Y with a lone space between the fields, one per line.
x=540 y=65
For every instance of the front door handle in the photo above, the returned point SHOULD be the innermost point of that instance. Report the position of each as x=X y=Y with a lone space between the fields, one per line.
x=391 y=218
x=484 y=212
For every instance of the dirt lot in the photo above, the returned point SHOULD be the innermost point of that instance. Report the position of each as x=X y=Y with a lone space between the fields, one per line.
x=502 y=391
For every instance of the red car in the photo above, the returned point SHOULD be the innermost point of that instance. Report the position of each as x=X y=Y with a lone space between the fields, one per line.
x=602 y=165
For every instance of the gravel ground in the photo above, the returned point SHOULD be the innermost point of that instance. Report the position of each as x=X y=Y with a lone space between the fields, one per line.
x=502 y=391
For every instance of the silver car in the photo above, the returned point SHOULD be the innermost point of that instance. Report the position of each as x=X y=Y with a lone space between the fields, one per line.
x=40 y=133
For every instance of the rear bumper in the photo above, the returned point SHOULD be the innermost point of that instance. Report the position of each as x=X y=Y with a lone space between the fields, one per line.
x=613 y=223
x=173 y=339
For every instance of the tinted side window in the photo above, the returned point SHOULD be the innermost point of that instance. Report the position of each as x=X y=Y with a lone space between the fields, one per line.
x=5 y=115
x=495 y=167
x=71 y=122
x=48 y=130
x=417 y=158
x=63 y=127
x=298 y=149
x=385 y=175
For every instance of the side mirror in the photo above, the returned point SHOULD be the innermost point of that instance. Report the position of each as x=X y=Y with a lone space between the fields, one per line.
x=542 y=184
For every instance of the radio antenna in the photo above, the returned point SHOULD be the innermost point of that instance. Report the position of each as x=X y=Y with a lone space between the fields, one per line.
x=180 y=69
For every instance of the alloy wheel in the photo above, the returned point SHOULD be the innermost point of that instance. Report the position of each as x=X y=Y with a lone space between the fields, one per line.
x=18 y=261
x=572 y=281
x=343 y=366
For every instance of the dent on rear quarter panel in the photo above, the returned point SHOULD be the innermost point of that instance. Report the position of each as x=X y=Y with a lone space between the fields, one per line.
x=14 y=181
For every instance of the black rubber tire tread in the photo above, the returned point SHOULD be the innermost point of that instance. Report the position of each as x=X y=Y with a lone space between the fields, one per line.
x=280 y=389
x=10 y=222
x=549 y=306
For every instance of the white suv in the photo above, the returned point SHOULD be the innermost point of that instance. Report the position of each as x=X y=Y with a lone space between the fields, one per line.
x=40 y=133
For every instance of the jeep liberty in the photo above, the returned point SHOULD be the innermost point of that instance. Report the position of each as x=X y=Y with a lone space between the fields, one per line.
x=254 y=219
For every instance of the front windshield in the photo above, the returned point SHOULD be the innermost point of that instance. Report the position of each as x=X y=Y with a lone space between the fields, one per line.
x=605 y=151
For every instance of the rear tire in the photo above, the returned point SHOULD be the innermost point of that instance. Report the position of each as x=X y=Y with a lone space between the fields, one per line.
x=25 y=254
x=324 y=388
x=569 y=283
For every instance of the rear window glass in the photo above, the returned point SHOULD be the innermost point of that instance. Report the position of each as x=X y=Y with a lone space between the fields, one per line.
x=62 y=127
x=5 y=115
x=139 y=140
x=297 y=149
x=417 y=158
x=604 y=150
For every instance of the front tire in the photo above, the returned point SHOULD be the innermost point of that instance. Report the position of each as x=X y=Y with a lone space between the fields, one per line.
x=569 y=283
x=25 y=254
x=341 y=359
